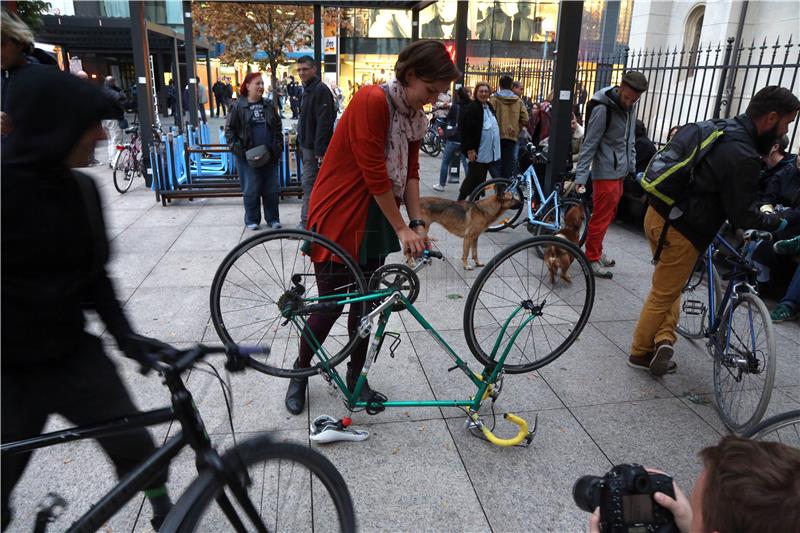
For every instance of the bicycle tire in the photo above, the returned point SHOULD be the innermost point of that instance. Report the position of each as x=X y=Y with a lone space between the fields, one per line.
x=194 y=503
x=508 y=218
x=725 y=404
x=566 y=318
x=124 y=171
x=774 y=425
x=696 y=328
x=238 y=301
x=564 y=205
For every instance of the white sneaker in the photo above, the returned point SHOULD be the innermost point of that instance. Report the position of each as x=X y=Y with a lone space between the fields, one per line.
x=325 y=429
x=438 y=187
x=599 y=271
x=607 y=261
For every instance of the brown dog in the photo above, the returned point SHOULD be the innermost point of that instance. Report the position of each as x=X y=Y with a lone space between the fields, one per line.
x=556 y=257
x=466 y=219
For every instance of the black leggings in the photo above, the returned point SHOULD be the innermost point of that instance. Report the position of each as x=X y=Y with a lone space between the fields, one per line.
x=86 y=389
x=333 y=277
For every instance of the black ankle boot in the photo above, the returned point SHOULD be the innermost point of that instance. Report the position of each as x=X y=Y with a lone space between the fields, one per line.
x=296 y=394
x=366 y=392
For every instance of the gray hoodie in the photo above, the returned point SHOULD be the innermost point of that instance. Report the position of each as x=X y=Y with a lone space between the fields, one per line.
x=609 y=154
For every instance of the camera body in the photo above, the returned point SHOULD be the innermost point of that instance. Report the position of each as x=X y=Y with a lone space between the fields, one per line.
x=625 y=498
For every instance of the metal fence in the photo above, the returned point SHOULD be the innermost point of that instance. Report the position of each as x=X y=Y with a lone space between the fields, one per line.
x=714 y=80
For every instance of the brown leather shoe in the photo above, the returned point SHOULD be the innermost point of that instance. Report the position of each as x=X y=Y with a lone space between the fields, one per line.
x=662 y=357
x=643 y=362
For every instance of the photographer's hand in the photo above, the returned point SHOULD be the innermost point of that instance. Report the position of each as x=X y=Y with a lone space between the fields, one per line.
x=594 y=521
x=680 y=507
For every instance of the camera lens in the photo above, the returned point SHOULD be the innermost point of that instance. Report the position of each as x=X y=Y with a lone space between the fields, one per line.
x=586 y=493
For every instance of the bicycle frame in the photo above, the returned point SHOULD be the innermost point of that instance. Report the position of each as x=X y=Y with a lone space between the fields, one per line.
x=484 y=382
x=133 y=482
x=531 y=179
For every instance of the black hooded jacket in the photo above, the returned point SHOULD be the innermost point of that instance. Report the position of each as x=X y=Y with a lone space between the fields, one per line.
x=54 y=247
x=725 y=187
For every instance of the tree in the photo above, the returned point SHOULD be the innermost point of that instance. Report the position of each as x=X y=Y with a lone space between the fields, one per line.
x=31 y=11
x=244 y=28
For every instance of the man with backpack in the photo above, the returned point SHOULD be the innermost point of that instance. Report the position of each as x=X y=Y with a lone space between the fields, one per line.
x=609 y=151
x=511 y=118
x=709 y=172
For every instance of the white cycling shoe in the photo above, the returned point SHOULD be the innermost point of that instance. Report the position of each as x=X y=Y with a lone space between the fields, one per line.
x=325 y=429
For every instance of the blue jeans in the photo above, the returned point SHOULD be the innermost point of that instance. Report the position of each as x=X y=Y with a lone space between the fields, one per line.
x=259 y=186
x=792 y=297
x=450 y=148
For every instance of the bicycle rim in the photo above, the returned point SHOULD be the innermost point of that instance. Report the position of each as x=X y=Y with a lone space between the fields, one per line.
x=783 y=428
x=550 y=314
x=694 y=309
x=291 y=487
x=124 y=171
x=254 y=299
x=744 y=363
x=492 y=187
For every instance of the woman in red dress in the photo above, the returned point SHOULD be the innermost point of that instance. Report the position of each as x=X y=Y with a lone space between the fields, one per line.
x=370 y=168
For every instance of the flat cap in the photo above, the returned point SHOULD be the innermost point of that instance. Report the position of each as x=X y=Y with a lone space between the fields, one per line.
x=635 y=80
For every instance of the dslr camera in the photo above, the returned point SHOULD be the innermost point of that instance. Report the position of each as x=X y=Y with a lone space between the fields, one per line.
x=625 y=498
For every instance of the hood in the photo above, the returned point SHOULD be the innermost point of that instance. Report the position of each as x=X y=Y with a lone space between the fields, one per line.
x=606 y=96
x=504 y=96
x=789 y=160
x=50 y=111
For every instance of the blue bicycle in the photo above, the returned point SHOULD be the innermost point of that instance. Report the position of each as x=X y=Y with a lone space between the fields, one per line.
x=737 y=328
x=544 y=215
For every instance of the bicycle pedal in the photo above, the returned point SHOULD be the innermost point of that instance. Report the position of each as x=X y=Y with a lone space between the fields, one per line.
x=694 y=307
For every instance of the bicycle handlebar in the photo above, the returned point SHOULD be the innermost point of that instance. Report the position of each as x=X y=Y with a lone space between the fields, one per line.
x=756 y=235
x=164 y=357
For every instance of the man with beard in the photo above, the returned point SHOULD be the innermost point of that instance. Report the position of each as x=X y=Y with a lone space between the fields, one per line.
x=725 y=187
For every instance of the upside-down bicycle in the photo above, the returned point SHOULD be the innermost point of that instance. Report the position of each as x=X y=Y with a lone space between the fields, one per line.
x=514 y=320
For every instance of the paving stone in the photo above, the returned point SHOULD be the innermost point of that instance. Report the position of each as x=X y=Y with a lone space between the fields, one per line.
x=168 y=313
x=184 y=269
x=149 y=240
x=208 y=238
x=129 y=270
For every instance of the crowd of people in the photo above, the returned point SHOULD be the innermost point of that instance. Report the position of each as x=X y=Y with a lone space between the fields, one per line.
x=357 y=177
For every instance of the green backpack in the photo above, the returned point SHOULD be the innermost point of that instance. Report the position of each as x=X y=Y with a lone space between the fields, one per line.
x=670 y=174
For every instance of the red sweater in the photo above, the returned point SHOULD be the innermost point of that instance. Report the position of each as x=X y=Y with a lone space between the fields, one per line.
x=354 y=170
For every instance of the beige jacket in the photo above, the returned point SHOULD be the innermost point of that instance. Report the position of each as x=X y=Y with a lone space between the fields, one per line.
x=511 y=114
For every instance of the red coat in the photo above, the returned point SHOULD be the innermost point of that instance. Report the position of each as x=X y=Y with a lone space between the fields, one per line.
x=354 y=170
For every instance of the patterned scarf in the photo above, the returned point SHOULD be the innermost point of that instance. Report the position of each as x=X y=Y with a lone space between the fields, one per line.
x=405 y=125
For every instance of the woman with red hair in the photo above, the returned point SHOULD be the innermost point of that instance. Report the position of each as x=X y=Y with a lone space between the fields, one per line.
x=254 y=134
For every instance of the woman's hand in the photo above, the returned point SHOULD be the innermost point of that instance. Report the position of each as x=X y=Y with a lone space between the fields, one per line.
x=411 y=242
x=472 y=155
x=422 y=231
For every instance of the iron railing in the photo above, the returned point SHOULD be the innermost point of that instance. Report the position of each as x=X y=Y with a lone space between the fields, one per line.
x=712 y=81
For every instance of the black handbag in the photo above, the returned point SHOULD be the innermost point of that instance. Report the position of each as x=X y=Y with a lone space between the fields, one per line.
x=258 y=156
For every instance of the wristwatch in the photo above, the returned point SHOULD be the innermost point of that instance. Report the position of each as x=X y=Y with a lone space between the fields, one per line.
x=416 y=222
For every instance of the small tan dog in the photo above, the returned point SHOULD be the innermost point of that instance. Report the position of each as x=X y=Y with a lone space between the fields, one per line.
x=556 y=257
x=466 y=219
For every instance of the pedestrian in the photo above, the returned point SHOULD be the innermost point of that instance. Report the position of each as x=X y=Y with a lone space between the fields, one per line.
x=524 y=137
x=254 y=134
x=202 y=100
x=219 y=97
x=112 y=126
x=314 y=127
x=609 y=152
x=228 y=93
x=512 y=117
x=54 y=257
x=452 y=135
x=725 y=186
x=645 y=149
x=372 y=167
x=295 y=91
x=539 y=122
x=171 y=98
x=17 y=41
x=442 y=106
x=480 y=140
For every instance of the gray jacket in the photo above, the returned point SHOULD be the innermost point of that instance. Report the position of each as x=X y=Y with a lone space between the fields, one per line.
x=609 y=154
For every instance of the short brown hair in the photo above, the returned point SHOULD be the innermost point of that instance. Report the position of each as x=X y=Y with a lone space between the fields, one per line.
x=480 y=84
x=429 y=59
x=751 y=487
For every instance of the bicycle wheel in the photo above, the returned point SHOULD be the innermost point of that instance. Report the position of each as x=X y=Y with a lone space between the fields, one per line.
x=124 y=171
x=694 y=300
x=545 y=313
x=290 y=486
x=744 y=363
x=262 y=288
x=493 y=187
x=784 y=428
x=564 y=205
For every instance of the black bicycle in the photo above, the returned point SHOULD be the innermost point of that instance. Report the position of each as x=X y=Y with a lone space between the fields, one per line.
x=433 y=141
x=258 y=485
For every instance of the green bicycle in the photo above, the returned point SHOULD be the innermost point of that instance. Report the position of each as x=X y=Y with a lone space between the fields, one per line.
x=517 y=318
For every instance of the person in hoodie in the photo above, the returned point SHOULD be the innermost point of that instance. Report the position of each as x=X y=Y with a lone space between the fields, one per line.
x=609 y=152
x=54 y=254
x=512 y=117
